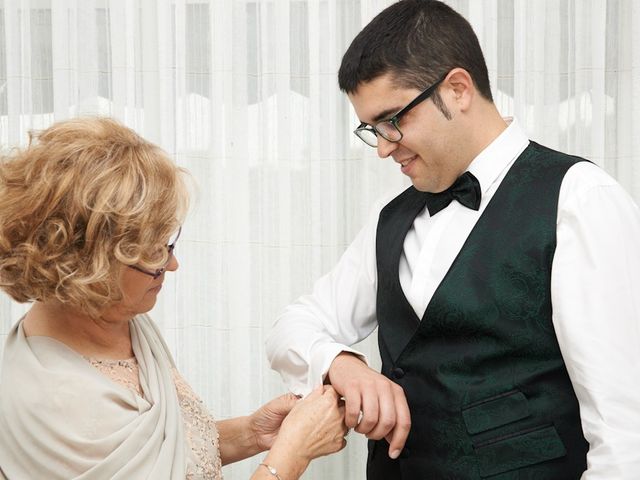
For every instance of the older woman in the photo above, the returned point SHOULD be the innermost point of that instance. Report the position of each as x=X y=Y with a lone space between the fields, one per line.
x=89 y=218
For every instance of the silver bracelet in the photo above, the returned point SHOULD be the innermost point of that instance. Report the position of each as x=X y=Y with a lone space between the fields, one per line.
x=272 y=470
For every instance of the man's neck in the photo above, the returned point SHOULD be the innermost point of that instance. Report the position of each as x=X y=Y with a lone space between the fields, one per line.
x=485 y=125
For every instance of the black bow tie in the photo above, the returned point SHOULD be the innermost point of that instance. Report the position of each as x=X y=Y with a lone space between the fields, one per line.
x=466 y=189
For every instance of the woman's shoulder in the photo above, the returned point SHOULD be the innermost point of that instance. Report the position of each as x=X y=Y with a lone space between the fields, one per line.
x=42 y=380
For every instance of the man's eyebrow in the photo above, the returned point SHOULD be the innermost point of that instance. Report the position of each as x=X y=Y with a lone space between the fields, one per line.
x=386 y=114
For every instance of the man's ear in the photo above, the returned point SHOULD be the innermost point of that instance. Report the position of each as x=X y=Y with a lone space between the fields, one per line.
x=461 y=88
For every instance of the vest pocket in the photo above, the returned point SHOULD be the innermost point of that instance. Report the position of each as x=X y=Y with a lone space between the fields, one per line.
x=495 y=411
x=519 y=450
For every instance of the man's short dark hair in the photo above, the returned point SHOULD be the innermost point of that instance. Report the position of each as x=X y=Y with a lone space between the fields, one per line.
x=416 y=41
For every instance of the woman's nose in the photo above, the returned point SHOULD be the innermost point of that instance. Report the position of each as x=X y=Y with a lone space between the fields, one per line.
x=173 y=264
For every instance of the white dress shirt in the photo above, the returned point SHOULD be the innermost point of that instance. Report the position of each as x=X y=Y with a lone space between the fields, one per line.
x=595 y=293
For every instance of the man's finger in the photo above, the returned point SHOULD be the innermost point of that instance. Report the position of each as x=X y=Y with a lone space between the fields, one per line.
x=386 y=414
x=370 y=411
x=352 y=406
x=398 y=436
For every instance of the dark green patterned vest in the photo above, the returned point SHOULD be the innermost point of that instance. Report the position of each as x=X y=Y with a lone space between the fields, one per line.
x=482 y=371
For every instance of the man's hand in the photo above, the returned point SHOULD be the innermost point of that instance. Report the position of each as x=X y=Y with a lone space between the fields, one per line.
x=385 y=413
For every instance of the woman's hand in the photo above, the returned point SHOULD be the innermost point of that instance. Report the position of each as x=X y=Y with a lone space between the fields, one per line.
x=314 y=427
x=265 y=422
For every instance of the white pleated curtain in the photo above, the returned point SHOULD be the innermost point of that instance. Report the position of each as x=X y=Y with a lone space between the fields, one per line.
x=244 y=94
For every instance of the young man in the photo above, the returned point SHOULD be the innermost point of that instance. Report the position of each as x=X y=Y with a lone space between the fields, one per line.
x=503 y=283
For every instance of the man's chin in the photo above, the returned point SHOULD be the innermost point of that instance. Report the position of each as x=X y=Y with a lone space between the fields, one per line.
x=422 y=186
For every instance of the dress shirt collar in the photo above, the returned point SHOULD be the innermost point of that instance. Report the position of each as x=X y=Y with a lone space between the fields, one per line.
x=499 y=155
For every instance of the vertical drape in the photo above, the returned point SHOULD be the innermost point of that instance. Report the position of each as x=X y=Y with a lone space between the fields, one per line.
x=243 y=93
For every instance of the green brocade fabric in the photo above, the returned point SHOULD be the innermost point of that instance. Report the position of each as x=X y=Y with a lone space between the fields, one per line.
x=482 y=371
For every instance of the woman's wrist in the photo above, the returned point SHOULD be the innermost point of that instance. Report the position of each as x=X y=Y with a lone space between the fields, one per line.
x=272 y=470
x=237 y=439
x=288 y=465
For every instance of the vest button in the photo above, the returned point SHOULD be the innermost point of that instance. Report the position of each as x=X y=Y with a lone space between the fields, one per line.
x=405 y=453
x=397 y=373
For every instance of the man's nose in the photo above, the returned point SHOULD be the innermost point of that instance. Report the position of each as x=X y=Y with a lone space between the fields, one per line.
x=385 y=147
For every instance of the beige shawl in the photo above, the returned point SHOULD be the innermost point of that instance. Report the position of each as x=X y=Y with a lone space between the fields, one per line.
x=60 y=418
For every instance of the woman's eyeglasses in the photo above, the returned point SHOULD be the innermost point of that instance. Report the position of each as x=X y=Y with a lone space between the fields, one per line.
x=170 y=247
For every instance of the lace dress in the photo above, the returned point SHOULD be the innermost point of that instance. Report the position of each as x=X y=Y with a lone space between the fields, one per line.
x=203 y=453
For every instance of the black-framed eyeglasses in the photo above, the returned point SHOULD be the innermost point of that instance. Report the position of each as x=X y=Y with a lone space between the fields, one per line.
x=389 y=129
x=171 y=246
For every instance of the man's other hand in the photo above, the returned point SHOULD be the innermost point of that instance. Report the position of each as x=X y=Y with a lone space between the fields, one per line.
x=385 y=413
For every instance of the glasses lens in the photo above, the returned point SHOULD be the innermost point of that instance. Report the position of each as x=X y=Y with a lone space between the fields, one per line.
x=174 y=238
x=389 y=131
x=367 y=136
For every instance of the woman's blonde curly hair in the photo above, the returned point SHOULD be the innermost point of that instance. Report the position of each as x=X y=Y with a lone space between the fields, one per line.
x=86 y=197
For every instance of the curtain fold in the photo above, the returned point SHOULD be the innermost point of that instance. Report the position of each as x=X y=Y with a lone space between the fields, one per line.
x=244 y=94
